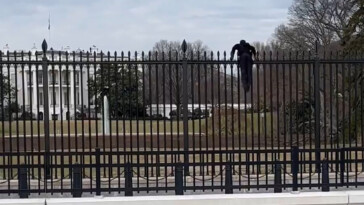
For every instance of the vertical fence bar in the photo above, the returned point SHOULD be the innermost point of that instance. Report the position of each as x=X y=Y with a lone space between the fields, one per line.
x=185 y=109
x=3 y=110
x=46 y=112
x=316 y=74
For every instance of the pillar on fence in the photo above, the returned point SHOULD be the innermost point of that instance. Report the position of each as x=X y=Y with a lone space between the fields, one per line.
x=316 y=74
x=295 y=165
x=277 y=178
x=325 y=176
x=178 y=179
x=228 y=179
x=23 y=182
x=98 y=171
x=342 y=165
x=128 y=174
x=46 y=111
x=185 y=108
x=76 y=181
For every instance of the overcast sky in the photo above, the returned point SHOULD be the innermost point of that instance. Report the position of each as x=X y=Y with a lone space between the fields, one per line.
x=124 y=25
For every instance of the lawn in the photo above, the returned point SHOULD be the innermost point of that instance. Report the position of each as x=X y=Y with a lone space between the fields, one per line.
x=133 y=126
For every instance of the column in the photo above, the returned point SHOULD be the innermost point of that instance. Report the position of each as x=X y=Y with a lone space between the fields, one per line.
x=25 y=87
x=72 y=89
x=60 y=92
x=34 y=97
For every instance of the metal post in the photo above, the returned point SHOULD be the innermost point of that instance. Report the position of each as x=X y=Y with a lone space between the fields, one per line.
x=23 y=182
x=228 y=179
x=98 y=172
x=76 y=181
x=316 y=74
x=342 y=165
x=178 y=179
x=295 y=166
x=325 y=176
x=46 y=111
x=128 y=180
x=277 y=178
x=185 y=109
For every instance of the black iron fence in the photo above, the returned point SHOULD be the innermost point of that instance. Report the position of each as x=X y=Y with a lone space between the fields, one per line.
x=153 y=122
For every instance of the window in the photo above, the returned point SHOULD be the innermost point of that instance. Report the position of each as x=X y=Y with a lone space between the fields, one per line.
x=66 y=78
x=53 y=78
x=53 y=98
x=30 y=80
x=77 y=78
x=65 y=98
x=40 y=78
x=78 y=98
x=40 y=99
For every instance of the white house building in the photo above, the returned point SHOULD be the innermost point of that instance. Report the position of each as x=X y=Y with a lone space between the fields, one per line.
x=68 y=89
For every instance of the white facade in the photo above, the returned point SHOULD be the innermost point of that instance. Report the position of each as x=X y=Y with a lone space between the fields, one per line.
x=67 y=85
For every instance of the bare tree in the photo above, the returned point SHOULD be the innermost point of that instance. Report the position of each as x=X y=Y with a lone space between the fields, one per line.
x=166 y=79
x=311 y=20
x=206 y=83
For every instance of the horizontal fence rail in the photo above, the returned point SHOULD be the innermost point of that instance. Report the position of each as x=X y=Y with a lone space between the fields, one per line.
x=178 y=121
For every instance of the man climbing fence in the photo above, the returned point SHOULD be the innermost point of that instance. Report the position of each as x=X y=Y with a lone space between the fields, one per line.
x=245 y=54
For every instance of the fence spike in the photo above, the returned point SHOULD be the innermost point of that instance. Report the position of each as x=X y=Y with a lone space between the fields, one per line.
x=184 y=46
x=44 y=46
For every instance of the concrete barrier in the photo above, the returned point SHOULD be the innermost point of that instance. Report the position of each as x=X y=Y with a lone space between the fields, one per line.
x=355 y=197
x=22 y=201
x=303 y=198
x=218 y=199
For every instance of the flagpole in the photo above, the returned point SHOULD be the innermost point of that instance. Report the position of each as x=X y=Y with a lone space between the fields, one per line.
x=49 y=29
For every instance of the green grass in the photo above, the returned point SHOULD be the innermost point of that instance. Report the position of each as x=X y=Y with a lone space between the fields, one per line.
x=134 y=126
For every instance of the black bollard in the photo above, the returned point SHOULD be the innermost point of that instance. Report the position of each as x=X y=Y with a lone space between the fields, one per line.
x=178 y=179
x=325 y=176
x=128 y=180
x=23 y=182
x=342 y=165
x=98 y=172
x=277 y=178
x=228 y=179
x=77 y=181
x=295 y=166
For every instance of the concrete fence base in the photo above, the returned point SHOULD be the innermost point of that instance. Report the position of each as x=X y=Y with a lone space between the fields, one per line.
x=314 y=198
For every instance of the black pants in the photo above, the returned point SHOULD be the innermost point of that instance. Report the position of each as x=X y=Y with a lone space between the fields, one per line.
x=246 y=67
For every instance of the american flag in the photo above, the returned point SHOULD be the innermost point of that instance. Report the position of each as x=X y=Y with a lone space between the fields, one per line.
x=49 y=22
